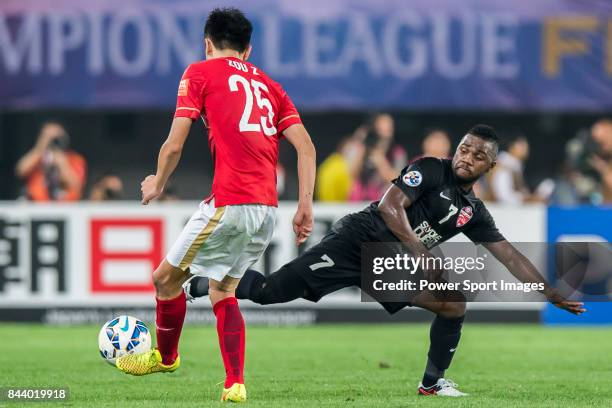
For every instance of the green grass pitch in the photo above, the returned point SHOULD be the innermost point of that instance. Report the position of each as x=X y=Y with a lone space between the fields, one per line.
x=325 y=366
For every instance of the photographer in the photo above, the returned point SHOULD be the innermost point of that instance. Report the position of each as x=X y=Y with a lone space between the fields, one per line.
x=586 y=176
x=601 y=160
x=380 y=159
x=108 y=188
x=50 y=170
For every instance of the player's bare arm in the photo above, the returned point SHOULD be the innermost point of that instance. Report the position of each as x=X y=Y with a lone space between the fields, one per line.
x=169 y=156
x=392 y=208
x=298 y=136
x=526 y=272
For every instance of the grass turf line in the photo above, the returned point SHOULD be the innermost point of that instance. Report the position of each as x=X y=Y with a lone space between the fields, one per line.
x=326 y=366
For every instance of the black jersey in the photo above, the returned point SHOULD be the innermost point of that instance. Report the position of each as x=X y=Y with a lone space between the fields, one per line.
x=440 y=208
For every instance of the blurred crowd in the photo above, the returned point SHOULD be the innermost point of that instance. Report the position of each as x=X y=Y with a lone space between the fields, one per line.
x=366 y=161
x=52 y=171
x=360 y=168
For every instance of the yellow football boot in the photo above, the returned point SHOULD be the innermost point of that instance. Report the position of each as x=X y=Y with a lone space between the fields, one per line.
x=235 y=393
x=145 y=363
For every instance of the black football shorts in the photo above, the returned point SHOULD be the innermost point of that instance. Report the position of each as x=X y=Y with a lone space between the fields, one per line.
x=335 y=262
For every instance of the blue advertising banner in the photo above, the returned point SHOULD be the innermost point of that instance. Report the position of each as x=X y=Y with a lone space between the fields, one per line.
x=580 y=224
x=351 y=54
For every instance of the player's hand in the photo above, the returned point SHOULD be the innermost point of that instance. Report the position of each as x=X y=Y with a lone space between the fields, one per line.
x=430 y=267
x=302 y=224
x=150 y=189
x=435 y=272
x=571 y=306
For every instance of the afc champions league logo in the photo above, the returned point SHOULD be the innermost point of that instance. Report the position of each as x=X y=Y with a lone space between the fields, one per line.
x=412 y=178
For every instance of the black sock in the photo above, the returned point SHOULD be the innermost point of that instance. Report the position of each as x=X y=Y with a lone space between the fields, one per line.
x=250 y=280
x=444 y=338
x=429 y=381
x=281 y=286
x=198 y=287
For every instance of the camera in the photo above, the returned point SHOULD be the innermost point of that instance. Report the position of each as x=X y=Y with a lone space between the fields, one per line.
x=60 y=142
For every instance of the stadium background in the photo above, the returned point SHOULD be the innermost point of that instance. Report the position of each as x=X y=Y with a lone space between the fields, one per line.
x=108 y=71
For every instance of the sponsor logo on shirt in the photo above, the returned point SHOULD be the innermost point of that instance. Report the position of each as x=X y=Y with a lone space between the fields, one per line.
x=183 y=86
x=427 y=235
x=412 y=178
x=464 y=216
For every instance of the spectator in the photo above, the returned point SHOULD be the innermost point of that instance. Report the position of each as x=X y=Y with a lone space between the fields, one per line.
x=380 y=161
x=169 y=194
x=435 y=144
x=50 y=170
x=335 y=174
x=108 y=188
x=586 y=171
x=566 y=190
x=601 y=160
x=506 y=182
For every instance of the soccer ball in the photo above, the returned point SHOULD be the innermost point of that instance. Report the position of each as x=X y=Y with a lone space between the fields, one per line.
x=123 y=335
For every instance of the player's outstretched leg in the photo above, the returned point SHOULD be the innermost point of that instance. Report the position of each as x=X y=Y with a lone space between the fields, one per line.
x=198 y=286
x=444 y=336
x=231 y=332
x=170 y=317
x=281 y=286
x=195 y=287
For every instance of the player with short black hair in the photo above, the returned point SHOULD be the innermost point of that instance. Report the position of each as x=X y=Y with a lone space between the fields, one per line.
x=486 y=133
x=431 y=201
x=228 y=28
x=246 y=114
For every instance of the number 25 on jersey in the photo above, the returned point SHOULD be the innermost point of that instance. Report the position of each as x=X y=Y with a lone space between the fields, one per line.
x=254 y=87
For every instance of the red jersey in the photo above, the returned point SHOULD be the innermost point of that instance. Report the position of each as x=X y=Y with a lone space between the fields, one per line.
x=245 y=113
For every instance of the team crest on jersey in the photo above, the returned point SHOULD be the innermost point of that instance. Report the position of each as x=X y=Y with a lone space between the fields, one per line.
x=464 y=216
x=412 y=178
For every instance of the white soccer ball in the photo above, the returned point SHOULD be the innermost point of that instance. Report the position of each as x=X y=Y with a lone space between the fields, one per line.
x=123 y=335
